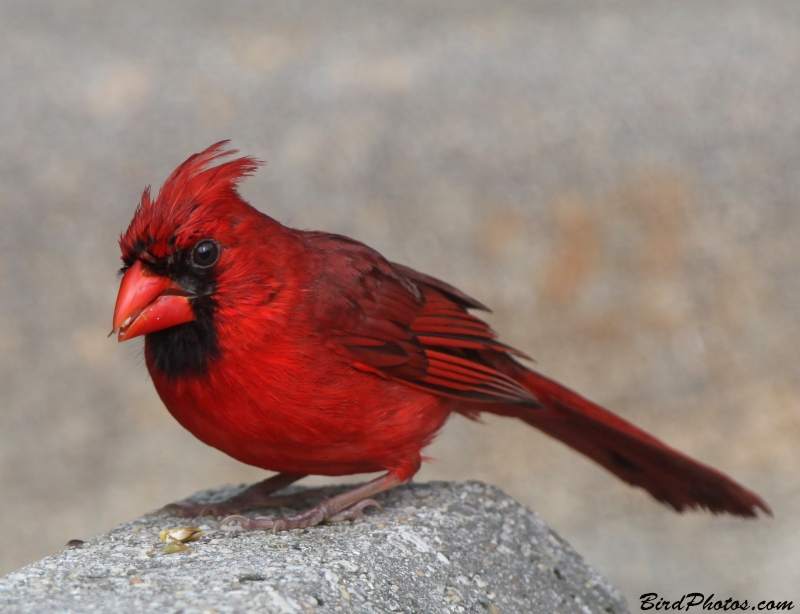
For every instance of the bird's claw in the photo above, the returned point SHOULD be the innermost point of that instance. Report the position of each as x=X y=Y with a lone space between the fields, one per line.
x=354 y=512
x=262 y=523
x=240 y=503
x=243 y=521
x=303 y=520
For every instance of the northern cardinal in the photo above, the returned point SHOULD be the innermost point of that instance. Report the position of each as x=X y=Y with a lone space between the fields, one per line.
x=309 y=353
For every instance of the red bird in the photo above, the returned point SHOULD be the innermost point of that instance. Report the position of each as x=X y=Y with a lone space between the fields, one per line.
x=309 y=353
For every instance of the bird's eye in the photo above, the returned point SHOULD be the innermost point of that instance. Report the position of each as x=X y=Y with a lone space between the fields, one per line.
x=206 y=253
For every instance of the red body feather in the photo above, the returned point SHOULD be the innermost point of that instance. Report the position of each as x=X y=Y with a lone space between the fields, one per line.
x=328 y=359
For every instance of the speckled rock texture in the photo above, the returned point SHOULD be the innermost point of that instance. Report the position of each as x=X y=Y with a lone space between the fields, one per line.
x=435 y=547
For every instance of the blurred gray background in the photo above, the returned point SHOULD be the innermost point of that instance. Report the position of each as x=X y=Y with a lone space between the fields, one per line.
x=618 y=180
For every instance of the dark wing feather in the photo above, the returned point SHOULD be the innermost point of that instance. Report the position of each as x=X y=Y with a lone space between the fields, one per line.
x=451 y=292
x=446 y=323
x=407 y=326
x=453 y=340
x=365 y=309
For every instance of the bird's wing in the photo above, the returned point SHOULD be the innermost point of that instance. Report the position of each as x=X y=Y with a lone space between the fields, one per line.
x=401 y=324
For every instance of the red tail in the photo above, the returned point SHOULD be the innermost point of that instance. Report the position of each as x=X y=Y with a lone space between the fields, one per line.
x=628 y=452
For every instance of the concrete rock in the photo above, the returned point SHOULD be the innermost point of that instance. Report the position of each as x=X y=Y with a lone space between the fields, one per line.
x=436 y=547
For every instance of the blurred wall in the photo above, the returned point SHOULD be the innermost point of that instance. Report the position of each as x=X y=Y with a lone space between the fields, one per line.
x=618 y=180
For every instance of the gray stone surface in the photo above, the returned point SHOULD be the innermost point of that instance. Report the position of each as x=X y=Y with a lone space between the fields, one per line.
x=436 y=547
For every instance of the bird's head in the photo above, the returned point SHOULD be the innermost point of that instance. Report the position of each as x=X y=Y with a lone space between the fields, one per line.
x=179 y=249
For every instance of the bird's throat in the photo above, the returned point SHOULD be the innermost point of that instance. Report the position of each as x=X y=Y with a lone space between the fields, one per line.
x=185 y=350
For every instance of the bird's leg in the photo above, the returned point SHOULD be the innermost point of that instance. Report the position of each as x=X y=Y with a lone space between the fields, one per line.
x=347 y=506
x=257 y=495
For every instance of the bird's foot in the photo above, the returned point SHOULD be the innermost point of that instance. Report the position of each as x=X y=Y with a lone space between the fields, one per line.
x=323 y=511
x=354 y=512
x=257 y=495
x=234 y=505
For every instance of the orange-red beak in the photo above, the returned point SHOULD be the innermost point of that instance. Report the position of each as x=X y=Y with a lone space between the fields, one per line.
x=147 y=303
